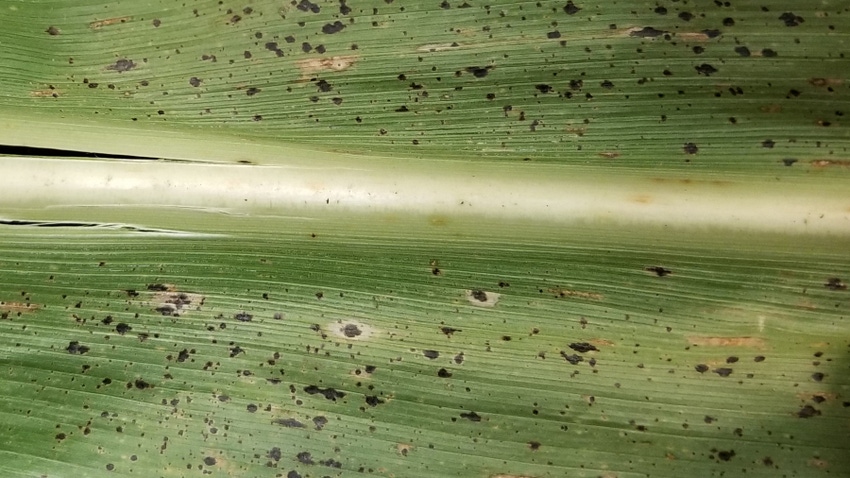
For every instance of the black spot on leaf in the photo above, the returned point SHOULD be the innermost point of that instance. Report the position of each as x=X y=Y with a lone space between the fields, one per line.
x=443 y=373
x=331 y=28
x=479 y=71
x=122 y=65
x=570 y=8
x=373 y=400
x=705 y=69
x=834 y=283
x=647 y=32
x=431 y=354
x=701 y=368
x=320 y=422
x=573 y=358
x=243 y=317
x=471 y=416
x=808 y=411
x=583 y=347
x=328 y=393
x=790 y=19
x=288 y=423
x=123 y=328
x=479 y=295
x=658 y=270
x=274 y=454
x=723 y=372
x=690 y=148
x=305 y=457
x=75 y=347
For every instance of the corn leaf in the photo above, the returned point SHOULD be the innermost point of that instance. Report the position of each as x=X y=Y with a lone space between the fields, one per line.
x=499 y=239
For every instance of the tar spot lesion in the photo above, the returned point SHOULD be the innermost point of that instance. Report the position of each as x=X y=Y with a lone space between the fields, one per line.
x=481 y=298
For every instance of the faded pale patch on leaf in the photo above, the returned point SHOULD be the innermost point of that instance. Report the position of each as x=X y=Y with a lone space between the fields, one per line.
x=576 y=293
x=480 y=298
x=311 y=66
x=98 y=24
x=754 y=342
x=351 y=329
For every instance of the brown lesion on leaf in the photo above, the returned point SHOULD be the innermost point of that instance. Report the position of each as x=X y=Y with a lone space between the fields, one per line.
x=576 y=130
x=771 y=108
x=610 y=154
x=167 y=299
x=18 y=307
x=828 y=163
x=310 y=66
x=818 y=463
x=46 y=93
x=578 y=294
x=693 y=36
x=98 y=24
x=641 y=199
x=502 y=475
x=753 y=342
x=404 y=449
x=826 y=81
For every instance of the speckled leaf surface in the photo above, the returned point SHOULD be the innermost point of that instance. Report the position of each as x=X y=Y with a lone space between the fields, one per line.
x=661 y=84
x=496 y=239
x=322 y=348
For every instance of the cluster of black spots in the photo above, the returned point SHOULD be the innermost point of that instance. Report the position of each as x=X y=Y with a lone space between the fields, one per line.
x=243 y=317
x=123 y=328
x=272 y=46
x=479 y=295
x=790 y=19
x=328 y=393
x=234 y=351
x=834 y=283
x=74 y=347
x=307 y=6
x=154 y=288
x=705 y=69
x=722 y=455
x=139 y=384
x=373 y=400
x=573 y=359
x=690 y=148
